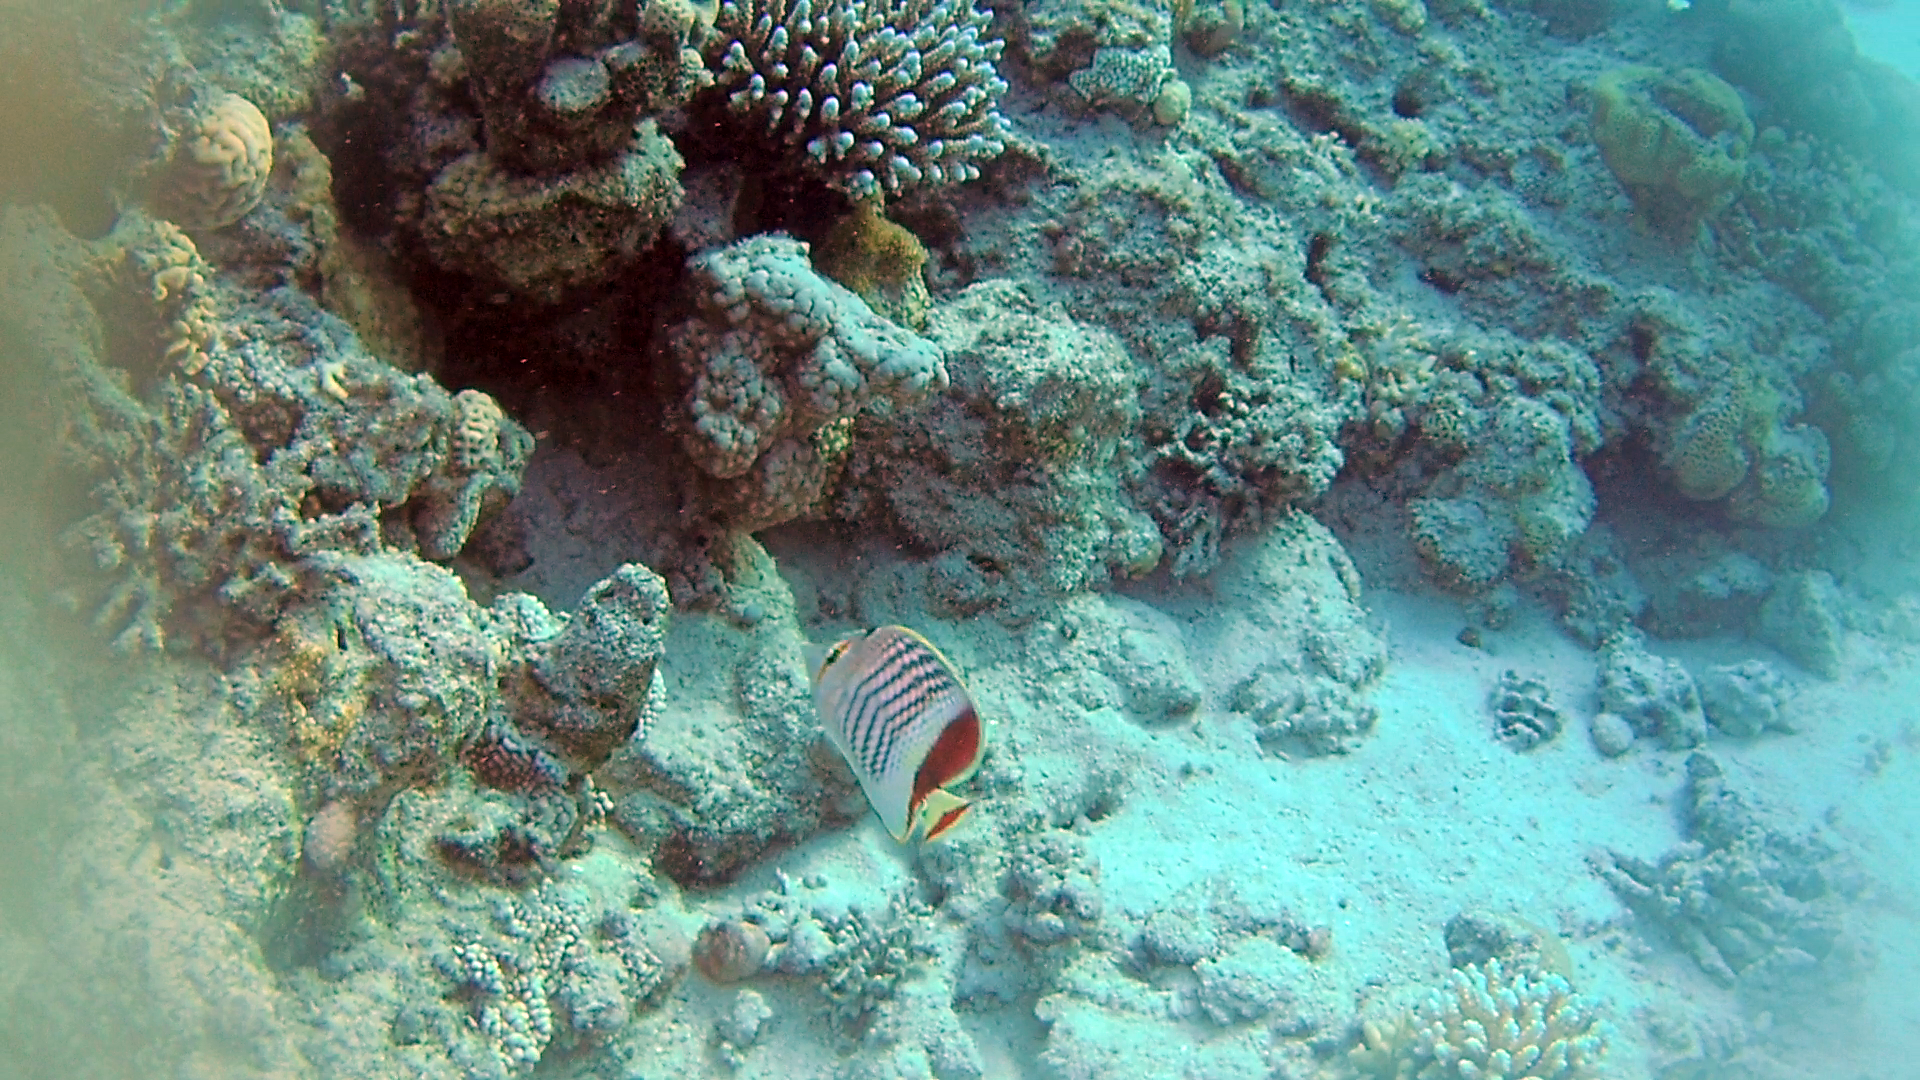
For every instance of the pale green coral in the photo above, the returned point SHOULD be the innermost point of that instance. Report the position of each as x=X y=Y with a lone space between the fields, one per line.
x=1734 y=445
x=1677 y=141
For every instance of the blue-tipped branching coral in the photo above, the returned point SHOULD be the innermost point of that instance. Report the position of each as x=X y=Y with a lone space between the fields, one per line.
x=872 y=96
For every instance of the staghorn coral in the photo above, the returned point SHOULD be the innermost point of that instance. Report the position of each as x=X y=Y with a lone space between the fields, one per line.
x=1754 y=905
x=216 y=173
x=1491 y=1023
x=872 y=97
x=778 y=363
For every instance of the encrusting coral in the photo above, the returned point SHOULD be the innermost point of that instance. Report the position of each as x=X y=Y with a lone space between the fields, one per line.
x=878 y=97
x=881 y=262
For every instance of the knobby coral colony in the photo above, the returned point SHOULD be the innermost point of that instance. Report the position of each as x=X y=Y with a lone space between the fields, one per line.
x=882 y=97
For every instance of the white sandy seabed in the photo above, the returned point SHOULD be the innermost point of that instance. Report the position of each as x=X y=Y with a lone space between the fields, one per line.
x=1432 y=816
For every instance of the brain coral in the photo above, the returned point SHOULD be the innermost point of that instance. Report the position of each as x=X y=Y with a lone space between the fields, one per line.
x=879 y=96
x=217 y=170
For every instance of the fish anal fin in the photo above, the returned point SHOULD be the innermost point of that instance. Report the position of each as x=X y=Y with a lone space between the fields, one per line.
x=942 y=810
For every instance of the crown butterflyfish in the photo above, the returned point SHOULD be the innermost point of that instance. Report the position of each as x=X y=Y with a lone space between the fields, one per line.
x=895 y=709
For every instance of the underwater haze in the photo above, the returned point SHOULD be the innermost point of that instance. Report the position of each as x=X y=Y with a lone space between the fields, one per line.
x=960 y=539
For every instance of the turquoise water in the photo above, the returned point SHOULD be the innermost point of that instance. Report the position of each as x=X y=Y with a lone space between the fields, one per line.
x=1416 y=498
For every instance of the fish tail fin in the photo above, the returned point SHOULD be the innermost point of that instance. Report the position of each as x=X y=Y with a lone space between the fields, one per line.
x=941 y=811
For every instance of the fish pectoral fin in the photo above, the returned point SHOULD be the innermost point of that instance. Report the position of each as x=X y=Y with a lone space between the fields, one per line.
x=940 y=811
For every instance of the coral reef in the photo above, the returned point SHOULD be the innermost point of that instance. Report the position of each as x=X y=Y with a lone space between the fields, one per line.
x=1752 y=904
x=560 y=87
x=1510 y=420
x=1490 y=1022
x=1524 y=715
x=777 y=363
x=1011 y=477
x=872 y=98
x=540 y=235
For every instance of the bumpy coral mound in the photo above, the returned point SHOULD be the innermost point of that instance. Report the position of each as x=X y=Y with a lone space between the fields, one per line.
x=217 y=170
x=1736 y=445
x=779 y=361
x=541 y=235
x=870 y=97
x=1677 y=141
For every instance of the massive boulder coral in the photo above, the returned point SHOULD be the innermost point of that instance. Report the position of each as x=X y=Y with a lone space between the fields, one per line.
x=872 y=98
x=1677 y=141
x=778 y=362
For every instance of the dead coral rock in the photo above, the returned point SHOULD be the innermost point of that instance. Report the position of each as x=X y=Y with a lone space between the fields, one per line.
x=216 y=173
x=538 y=236
x=731 y=950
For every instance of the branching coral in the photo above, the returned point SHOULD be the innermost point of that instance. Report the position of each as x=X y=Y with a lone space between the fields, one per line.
x=878 y=96
x=1489 y=1023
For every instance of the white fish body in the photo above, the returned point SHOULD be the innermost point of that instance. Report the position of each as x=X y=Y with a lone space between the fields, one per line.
x=895 y=709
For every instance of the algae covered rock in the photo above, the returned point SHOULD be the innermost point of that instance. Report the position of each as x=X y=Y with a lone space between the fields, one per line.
x=1015 y=476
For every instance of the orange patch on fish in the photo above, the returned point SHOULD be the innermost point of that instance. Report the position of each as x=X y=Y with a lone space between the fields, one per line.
x=895 y=709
